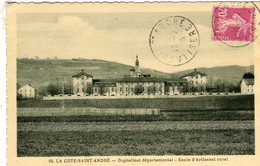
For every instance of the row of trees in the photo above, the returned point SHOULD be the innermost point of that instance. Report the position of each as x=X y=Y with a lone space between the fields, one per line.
x=222 y=86
x=56 y=88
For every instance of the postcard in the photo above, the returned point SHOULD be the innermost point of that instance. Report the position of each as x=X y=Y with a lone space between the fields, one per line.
x=133 y=83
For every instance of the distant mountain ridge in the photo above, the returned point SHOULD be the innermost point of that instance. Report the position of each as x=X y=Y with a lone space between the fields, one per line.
x=41 y=72
x=232 y=73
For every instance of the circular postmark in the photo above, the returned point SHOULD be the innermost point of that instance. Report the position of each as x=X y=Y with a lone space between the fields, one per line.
x=174 y=40
x=235 y=24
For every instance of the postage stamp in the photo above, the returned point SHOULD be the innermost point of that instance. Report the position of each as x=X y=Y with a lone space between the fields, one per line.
x=174 y=40
x=236 y=24
x=233 y=23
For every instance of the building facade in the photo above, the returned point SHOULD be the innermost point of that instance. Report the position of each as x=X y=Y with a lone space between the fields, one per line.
x=247 y=83
x=81 y=82
x=136 y=83
x=196 y=79
x=27 y=91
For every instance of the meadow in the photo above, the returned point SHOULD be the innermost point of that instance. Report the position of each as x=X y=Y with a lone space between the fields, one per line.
x=208 y=125
x=155 y=142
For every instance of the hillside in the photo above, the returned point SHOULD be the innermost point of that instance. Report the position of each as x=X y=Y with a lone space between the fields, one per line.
x=41 y=72
x=228 y=73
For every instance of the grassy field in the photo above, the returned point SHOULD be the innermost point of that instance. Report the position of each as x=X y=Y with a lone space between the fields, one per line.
x=165 y=116
x=108 y=143
x=231 y=102
x=208 y=125
x=172 y=133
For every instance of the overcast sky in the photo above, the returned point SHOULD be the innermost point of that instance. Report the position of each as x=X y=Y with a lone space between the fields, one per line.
x=117 y=37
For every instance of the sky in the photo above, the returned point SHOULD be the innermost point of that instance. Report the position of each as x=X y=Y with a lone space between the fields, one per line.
x=117 y=37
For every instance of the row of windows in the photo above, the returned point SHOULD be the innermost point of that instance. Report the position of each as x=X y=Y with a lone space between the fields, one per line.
x=96 y=89
x=196 y=82
x=149 y=83
x=26 y=90
x=197 y=76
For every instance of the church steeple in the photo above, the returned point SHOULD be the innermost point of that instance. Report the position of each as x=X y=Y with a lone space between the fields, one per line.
x=136 y=61
x=137 y=69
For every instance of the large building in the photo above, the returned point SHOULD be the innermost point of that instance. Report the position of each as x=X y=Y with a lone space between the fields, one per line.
x=27 y=91
x=135 y=83
x=247 y=83
x=196 y=78
x=81 y=81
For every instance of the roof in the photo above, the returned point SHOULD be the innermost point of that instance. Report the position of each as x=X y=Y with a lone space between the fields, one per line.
x=249 y=81
x=104 y=82
x=141 y=79
x=112 y=82
x=27 y=86
x=82 y=73
x=179 y=81
x=193 y=73
x=248 y=75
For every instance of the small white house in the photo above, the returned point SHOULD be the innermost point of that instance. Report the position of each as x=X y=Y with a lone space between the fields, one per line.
x=247 y=84
x=27 y=91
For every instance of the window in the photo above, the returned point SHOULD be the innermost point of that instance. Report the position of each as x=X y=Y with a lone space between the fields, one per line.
x=197 y=76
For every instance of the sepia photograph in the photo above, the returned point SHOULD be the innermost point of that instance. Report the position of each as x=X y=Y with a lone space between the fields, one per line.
x=135 y=82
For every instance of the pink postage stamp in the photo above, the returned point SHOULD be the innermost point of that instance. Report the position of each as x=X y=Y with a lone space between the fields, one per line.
x=233 y=24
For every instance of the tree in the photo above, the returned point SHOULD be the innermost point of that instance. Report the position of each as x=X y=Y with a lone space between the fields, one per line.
x=42 y=90
x=89 y=90
x=18 y=96
x=139 y=89
x=54 y=88
x=151 y=89
x=167 y=89
x=68 y=88
x=220 y=85
x=185 y=88
x=160 y=89
x=102 y=89
x=18 y=86
x=193 y=89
